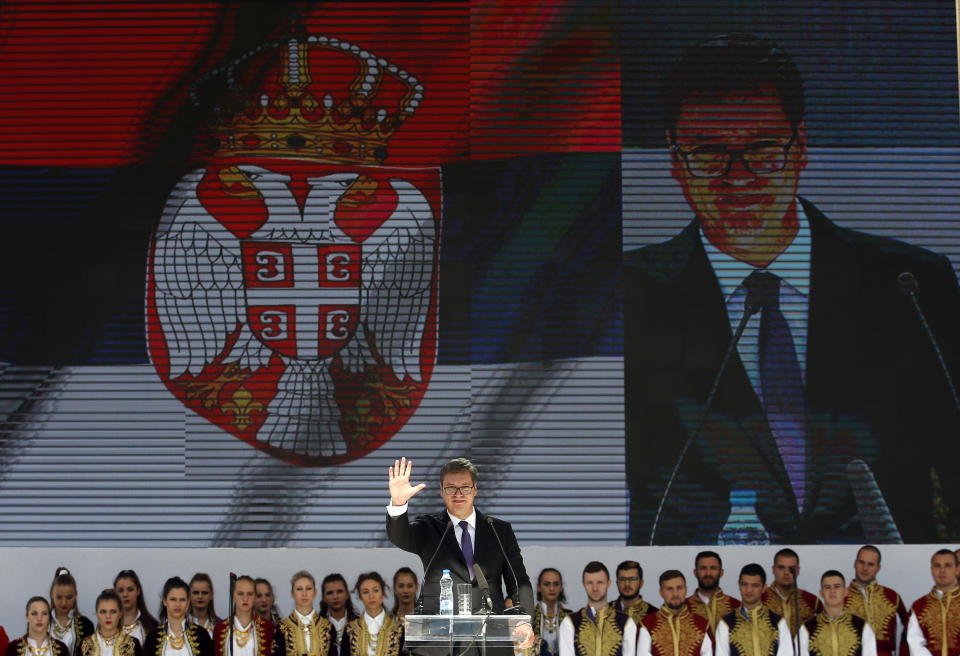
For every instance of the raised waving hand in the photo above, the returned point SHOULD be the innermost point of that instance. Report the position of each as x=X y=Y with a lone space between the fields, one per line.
x=400 y=488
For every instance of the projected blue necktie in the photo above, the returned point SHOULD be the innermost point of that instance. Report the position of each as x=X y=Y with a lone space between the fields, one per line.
x=466 y=546
x=781 y=384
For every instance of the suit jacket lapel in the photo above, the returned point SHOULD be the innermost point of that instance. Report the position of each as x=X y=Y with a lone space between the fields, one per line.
x=482 y=543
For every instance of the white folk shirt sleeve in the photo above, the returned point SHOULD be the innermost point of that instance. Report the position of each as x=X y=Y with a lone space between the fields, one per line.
x=644 y=642
x=396 y=511
x=868 y=641
x=629 y=646
x=706 y=648
x=915 y=638
x=723 y=639
x=565 y=638
x=784 y=639
x=804 y=641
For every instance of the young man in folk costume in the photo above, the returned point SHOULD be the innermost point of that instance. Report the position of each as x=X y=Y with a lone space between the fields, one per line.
x=934 y=625
x=834 y=631
x=708 y=600
x=752 y=629
x=674 y=630
x=879 y=606
x=781 y=596
x=597 y=629
x=629 y=584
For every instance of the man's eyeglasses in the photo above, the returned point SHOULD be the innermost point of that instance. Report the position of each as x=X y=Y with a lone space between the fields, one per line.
x=760 y=158
x=465 y=490
x=628 y=579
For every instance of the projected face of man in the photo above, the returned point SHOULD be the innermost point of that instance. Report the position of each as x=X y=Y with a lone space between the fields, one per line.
x=747 y=208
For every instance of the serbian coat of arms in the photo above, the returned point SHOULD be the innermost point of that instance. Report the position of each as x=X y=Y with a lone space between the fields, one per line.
x=292 y=280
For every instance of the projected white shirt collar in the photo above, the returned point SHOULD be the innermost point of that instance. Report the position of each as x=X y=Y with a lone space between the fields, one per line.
x=793 y=268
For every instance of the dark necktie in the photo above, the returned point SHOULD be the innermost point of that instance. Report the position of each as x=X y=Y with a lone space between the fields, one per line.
x=781 y=384
x=466 y=546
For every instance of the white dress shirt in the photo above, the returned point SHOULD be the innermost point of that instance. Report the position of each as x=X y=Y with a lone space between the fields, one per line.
x=793 y=268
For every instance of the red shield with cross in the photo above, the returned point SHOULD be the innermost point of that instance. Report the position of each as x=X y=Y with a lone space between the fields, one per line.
x=302 y=299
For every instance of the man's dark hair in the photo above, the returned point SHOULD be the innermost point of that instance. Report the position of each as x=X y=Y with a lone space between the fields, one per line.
x=832 y=572
x=946 y=552
x=708 y=554
x=595 y=566
x=753 y=569
x=731 y=63
x=630 y=564
x=869 y=547
x=672 y=574
x=459 y=465
x=786 y=551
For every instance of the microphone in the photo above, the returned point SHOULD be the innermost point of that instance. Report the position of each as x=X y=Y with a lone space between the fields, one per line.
x=418 y=607
x=907 y=282
x=516 y=583
x=756 y=296
x=484 y=588
x=875 y=516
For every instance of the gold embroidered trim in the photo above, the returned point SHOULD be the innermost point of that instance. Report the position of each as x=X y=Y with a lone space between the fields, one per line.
x=600 y=638
x=754 y=637
x=835 y=637
x=388 y=637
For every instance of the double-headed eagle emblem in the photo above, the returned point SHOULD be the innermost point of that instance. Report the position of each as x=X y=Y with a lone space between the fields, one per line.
x=292 y=301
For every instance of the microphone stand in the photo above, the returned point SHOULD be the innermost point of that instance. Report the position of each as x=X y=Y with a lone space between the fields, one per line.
x=418 y=607
x=908 y=287
x=750 y=307
x=233 y=610
x=796 y=609
x=518 y=609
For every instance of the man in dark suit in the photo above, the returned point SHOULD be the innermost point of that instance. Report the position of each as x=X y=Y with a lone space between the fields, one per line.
x=466 y=535
x=834 y=366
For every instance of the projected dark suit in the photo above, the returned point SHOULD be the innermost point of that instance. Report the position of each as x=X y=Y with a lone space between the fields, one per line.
x=873 y=389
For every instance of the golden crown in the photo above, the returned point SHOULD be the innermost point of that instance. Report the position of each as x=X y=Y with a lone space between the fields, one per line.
x=296 y=118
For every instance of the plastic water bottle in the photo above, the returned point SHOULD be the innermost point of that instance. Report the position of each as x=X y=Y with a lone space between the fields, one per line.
x=446 y=593
x=743 y=525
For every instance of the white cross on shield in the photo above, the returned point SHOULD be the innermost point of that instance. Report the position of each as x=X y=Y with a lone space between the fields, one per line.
x=303 y=299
